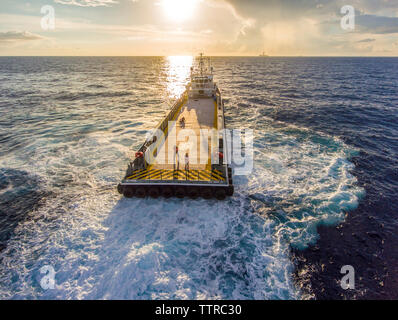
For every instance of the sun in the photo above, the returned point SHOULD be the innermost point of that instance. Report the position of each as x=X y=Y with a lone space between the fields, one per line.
x=179 y=10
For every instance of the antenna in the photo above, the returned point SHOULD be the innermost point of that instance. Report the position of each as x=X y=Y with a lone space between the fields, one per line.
x=201 y=63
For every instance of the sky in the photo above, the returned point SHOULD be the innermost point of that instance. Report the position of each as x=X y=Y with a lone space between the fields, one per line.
x=187 y=27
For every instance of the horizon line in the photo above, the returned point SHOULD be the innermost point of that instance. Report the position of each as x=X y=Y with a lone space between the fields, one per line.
x=187 y=55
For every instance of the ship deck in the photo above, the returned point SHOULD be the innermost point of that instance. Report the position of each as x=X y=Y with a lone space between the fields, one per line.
x=199 y=114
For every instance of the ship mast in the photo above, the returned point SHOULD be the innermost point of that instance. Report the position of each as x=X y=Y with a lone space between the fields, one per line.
x=201 y=63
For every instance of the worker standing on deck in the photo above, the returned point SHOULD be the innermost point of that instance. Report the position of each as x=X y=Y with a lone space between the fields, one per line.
x=176 y=159
x=187 y=161
x=182 y=122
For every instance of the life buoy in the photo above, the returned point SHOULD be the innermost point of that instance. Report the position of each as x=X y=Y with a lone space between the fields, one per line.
x=221 y=157
x=139 y=154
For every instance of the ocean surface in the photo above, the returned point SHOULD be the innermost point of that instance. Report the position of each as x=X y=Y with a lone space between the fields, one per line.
x=325 y=158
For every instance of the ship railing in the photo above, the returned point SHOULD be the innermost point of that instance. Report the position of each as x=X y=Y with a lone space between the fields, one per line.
x=162 y=125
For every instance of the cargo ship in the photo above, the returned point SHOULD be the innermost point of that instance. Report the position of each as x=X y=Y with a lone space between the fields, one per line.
x=187 y=154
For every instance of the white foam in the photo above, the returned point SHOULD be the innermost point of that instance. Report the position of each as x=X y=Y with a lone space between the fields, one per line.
x=105 y=247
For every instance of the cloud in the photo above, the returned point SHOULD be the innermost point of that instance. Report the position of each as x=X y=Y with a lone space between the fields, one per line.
x=377 y=24
x=366 y=40
x=88 y=3
x=312 y=26
x=279 y=9
x=244 y=27
x=14 y=36
x=287 y=8
x=276 y=26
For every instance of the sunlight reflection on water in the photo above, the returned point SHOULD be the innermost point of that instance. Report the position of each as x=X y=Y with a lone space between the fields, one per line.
x=178 y=71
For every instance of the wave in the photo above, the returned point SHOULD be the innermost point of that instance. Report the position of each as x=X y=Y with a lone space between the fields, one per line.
x=105 y=247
